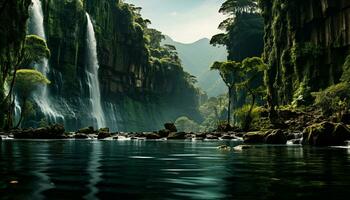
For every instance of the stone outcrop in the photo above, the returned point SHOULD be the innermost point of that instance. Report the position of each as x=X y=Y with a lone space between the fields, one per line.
x=326 y=134
x=135 y=95
x=50 y=132
x=306 y=43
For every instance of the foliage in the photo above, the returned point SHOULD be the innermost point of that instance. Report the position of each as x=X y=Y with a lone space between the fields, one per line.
x=241 y=115
x=346 y=70
x=27 y=81
x=246 y=75
x=334 y=99
x=187 y=125
x=213 y=111
x=244 y=29
x=302 y=96
x=35 y=49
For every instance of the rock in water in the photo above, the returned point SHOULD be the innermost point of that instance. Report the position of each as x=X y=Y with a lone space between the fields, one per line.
x=152 y=136
x=326 y=134
x=87 y=130
x=254 y=138
x=164 y=133
x=276 y=137
x=177 y=136
x=51 y=132
x=106 y=130
x=81 y=136
x=103 y=135
x=171 y=127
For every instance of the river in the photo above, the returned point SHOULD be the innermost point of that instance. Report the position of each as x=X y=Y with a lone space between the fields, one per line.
x=154 y=170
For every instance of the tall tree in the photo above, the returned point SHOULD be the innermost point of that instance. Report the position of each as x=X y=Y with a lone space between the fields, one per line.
x=230 y=74
x=27 y=80
x=244 y=29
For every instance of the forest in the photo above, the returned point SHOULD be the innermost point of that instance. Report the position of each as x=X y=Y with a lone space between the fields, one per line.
x=277 y=90
x=284 y=65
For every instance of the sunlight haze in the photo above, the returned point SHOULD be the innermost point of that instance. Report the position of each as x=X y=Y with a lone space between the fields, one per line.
x=183 y=20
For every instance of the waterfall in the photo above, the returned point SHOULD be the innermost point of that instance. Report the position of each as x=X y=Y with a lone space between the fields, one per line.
x=92 y=75
x=42 y=97
x=17 y=110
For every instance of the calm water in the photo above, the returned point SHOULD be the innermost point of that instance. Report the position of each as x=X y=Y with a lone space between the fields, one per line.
x=169 y=170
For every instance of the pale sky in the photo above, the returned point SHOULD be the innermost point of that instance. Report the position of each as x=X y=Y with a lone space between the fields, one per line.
x=183 y=20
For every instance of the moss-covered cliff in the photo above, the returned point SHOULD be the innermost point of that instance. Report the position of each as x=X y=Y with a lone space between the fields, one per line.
x=13 y=19
x=306 y=43
x=137 y=93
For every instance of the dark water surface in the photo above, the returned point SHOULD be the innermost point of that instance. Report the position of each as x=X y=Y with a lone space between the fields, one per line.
x=170 y=170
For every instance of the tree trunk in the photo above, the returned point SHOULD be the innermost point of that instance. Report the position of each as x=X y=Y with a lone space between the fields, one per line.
x=248 y=119
x=229 y=105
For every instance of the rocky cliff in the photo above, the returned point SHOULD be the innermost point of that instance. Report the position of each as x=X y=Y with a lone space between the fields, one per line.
x=306 y=43
x=135 y=95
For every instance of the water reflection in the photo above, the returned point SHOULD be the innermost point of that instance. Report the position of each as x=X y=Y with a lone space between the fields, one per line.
x=169 y=170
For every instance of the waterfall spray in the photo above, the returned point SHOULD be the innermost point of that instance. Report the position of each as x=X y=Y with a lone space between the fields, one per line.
x=92 y=75
x=42 y=97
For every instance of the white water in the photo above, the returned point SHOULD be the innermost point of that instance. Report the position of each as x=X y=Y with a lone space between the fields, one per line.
x=42 y=96
x=92 y=75
x=18 y=110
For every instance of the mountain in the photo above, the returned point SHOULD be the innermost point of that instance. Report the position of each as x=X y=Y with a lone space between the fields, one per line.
x=197 y=58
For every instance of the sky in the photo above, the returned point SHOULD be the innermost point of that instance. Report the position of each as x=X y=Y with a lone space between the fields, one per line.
x=184 y=21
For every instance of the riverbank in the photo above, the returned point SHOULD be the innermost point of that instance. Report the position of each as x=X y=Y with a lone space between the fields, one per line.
x=324 y=133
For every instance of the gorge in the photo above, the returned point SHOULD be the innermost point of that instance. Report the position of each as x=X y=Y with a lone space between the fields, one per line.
x=105 y=81
x=97 y=103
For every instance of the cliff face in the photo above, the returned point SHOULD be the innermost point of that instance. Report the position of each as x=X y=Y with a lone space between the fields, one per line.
x=135 y=95
x=306 y=43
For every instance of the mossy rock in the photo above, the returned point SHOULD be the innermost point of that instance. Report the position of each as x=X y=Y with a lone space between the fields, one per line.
x=81 y=136
x=152 y=136
x=177 y=136
x=254 y=138
x=326 y=134
x=103 y=135
x=87 y=130
x=276 y=137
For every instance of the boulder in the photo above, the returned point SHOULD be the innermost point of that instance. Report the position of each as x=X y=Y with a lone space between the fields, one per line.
x=105 y=130
x=254 y=138
x=200 y=135
x=103 y=135
x=326 y=134
x=87 y=130
x=81 y=136
x=51 y=132
x=152 y=136
x=171 y=127
x=177 y=136
x=276 y=137
x=164 y=133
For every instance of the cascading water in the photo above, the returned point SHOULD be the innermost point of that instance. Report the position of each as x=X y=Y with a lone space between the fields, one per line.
x=42 y=98
x=17 y=109
x=92 y=75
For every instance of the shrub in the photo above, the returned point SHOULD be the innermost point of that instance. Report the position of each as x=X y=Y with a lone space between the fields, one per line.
x=334 y=99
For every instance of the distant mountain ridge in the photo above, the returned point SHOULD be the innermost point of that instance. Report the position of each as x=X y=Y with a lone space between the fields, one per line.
x=197 y=57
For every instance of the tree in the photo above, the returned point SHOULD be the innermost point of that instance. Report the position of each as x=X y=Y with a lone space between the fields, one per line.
x=230 y=74
x=253 y=72
x=247 y=75
x=186 y=124
x=244 y=29
x=27 y=80
x=32 y=52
